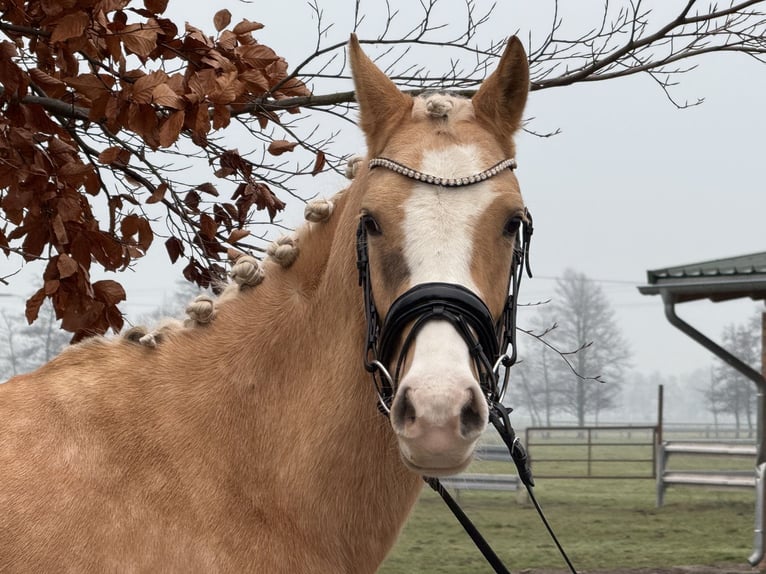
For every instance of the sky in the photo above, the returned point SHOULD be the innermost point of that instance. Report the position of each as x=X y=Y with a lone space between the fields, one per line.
x=631 y=183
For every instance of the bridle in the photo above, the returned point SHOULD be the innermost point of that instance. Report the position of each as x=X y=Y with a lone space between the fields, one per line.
x=491 y=343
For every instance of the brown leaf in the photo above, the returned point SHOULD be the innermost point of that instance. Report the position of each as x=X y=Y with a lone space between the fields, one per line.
x=319 y=163
x=108 y=291
x=92 y=183
x=171 y=128
x=59 y=230
x=221 y=19
x=114 y=318
x=255 y=80
x=66 y=266
x=145 y=234
x=221 y=116
x=70 y=26
x=246 y=26
x=220 y=216
x=51 y=286
x=224 y=172
x=36 y=239
x=238 y=234
x=192 y=200
x=114 y=155
x=143 y=87
x=52 y=7
x=163 y=95
x=278 y=147
x=175 y=248
x=91 y=86
x=106 y=250
x=227 y=88
x=207 y=187
x=257 y=55
x=158 y=194
x=139 y=40
x=33 y=305
x=53 y=87
x=143 y=120
x=227 y=40
x=129 y=226
x=156 y=6
x=208 y=226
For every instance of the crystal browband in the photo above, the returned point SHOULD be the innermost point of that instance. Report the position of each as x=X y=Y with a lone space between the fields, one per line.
x=445 y=182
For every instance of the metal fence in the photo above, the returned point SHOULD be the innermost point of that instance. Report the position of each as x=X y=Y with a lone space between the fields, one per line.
x=697 y=470
x=593 y=452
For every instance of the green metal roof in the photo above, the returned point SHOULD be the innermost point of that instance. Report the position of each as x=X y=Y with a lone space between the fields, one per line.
x=717 y=280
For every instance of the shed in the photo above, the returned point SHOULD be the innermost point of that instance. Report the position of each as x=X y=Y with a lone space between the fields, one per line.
x=723 y=280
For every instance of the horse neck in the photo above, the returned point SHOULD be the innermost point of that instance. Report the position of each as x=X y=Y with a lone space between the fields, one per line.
x=334 y=454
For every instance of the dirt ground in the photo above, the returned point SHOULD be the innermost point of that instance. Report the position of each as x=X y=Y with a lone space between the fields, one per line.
x=719 y=569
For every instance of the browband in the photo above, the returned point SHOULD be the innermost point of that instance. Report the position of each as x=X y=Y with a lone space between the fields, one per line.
x=401 y=169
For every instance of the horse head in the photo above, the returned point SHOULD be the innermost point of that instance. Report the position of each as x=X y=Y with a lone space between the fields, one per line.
x=439 y=219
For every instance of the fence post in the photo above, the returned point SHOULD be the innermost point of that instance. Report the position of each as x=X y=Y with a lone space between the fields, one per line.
x=660 y=474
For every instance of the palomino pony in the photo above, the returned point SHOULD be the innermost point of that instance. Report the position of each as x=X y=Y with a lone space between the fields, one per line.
x=256 y=443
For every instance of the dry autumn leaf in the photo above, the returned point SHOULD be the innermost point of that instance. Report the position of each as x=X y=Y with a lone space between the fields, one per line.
x=238 y=234
x=158 y=194
x=278 y=147
x=66 y=266
x=171 y=128
x=156 y=6
x=114 y=154
x=139 y=40
x=246 y=26
x=70 y=26
x=221 y=19
x=319 y=163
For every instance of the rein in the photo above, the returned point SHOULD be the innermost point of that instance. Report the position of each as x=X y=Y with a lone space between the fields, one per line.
x=488 y=340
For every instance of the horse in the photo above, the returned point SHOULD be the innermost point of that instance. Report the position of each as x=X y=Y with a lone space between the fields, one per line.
x=256 y=442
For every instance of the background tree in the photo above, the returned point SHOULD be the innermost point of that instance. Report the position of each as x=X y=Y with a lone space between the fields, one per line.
x=729 y=392
x=534 y=382
x=582 y=378
x=25 y=347
x=105 y=103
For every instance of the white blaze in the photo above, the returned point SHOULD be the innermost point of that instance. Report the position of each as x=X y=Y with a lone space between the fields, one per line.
x=438 y=222
x=438 y=246
x=439 y=227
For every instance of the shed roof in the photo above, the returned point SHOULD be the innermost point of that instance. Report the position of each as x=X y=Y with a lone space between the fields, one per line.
x=717 y=280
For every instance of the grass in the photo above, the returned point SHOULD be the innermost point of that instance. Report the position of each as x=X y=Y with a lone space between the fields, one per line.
x=602 y=523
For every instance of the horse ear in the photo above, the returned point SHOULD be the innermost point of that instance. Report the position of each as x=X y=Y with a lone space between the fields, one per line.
x=500 y=100
x=381 y=104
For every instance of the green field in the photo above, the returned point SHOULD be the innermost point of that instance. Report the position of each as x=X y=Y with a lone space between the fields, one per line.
x=603 y=523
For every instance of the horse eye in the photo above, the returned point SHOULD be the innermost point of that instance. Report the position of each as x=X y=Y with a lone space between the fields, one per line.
x=512 y=225
x=371 y=226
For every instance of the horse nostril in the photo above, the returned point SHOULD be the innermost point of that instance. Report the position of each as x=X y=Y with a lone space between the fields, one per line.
x=403 y=411
x=471 y=416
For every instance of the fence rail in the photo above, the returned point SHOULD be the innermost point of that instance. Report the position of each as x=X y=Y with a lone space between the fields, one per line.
x=470 y=481
x=730 y=478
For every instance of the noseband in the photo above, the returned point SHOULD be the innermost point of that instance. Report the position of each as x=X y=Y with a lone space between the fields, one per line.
x=490 y=342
